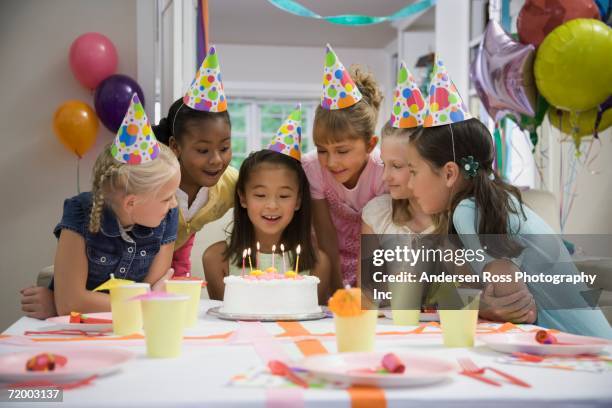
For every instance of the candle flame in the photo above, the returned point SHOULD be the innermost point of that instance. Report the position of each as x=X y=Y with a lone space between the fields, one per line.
x=297 y=250
x=244 y=253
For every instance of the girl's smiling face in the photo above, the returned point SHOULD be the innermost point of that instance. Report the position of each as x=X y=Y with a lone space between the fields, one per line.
x=346 y=159
x=204 y=153
x=271 y=198
x=394 y=154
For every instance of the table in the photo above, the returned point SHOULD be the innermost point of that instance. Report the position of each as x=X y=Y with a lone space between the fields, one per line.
x=212 y=357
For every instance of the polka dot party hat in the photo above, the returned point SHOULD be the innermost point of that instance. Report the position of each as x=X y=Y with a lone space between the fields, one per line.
x=339 y=89
x=409 y=107
x=445 y=103
x=288 y=139
x=206 y=91
x=135 y=142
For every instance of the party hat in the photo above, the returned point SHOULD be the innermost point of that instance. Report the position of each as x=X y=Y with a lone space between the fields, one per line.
x=206 y=90
x=288 y=139
x=408 y=103
x=445 y=103
x=339 y=89
x=135 y=142
x=113 y=283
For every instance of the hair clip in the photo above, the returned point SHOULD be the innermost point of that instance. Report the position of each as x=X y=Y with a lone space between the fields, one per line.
x=469 y=166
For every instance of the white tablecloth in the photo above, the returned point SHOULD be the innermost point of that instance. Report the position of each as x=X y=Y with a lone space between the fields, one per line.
x=200 y=376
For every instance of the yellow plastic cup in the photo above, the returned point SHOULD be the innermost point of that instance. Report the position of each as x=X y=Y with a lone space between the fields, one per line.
x=356 y=333
x=127 y=315
x=164 y=320
x=459 y=326
x=192 y=289
x=406 y=303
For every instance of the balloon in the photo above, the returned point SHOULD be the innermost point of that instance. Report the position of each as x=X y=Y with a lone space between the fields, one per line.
x=75 y=124
x=502 y=73
x=603 y=108
x=532 y=123
x=580 y=123
x=572 y=66
x=537 y=18
x=93 y=57
x=112 y=99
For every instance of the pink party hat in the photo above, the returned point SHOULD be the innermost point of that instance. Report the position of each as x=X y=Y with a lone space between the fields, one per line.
x=445 y=103
x=339 y=89
x=135 y=142
x=206 y=90
x=408 y=103
x=288 y=139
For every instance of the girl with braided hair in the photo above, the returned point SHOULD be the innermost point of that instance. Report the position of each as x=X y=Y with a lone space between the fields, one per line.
x=125 y=226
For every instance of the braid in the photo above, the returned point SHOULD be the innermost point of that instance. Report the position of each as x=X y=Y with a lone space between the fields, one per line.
x=95 y=217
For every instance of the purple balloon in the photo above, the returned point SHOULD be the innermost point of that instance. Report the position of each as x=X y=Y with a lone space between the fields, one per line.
x=112 y=99
x=502 y=73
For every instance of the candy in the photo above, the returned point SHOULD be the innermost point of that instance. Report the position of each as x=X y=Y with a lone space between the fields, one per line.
x=393 y=364
x=45 y=362
x=544 y=337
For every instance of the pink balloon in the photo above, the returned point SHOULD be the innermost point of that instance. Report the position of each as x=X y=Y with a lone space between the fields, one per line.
x=93 y=58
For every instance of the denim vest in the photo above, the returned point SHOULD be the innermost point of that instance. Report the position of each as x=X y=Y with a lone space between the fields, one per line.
x=128 y=256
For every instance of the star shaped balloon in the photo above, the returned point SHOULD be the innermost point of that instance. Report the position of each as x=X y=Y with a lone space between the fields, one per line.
x=502 y=73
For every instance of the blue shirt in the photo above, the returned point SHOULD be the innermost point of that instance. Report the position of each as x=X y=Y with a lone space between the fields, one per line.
x=128 y=255
x=560 y=306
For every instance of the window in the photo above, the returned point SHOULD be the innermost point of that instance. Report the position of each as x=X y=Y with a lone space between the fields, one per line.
x=255 y=122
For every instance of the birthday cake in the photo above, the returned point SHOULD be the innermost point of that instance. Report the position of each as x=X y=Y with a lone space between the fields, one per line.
x=270 y=293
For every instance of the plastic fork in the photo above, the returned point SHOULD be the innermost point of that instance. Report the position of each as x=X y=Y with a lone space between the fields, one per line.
x=470 y=367
x=277 y=367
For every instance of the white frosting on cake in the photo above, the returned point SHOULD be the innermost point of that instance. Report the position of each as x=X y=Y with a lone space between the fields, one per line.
x=260 y=296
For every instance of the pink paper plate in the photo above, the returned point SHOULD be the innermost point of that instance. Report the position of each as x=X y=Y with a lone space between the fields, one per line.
x=526 y=343
x=82 y=363
x=63 y=322
x=347 y=368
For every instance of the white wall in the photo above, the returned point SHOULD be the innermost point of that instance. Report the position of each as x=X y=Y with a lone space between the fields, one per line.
x=452 y=40
x=36 y=172
x=248 y=67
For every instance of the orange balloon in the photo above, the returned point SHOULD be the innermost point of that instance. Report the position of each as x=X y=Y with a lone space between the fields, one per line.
x=76 y=125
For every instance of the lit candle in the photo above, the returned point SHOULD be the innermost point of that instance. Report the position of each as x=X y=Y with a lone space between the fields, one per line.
x=244 y=254
x=273 y=250
x=250 y=264
x=257 y=254
x=283 y=252
x=297 y=260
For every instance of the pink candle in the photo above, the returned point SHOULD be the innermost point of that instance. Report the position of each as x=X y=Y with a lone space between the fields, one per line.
x=273 y=250
x=250 y=263
x=257 y=259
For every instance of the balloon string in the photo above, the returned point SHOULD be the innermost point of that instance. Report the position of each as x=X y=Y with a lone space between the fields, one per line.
x=78 y=175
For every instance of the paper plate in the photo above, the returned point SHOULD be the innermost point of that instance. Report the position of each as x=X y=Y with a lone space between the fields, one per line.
x=63 y=322
x=81 y=363
x=425 y=317
x=216 y=311
x=526 y=343
x=347 y=368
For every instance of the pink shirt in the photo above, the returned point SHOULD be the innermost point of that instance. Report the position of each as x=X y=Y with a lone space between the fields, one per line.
x=345 y=205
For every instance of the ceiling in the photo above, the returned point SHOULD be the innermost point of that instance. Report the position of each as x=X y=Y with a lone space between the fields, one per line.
x=259 y=22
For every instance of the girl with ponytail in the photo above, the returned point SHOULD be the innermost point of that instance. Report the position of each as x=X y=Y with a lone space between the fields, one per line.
x=451 y=165
x=198 y=130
